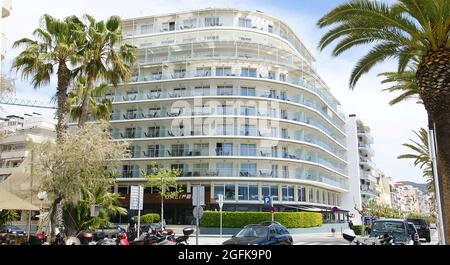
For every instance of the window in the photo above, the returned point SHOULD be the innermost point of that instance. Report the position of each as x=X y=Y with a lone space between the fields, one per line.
x=248 y=72
x=317 y=198
x=248 y=170
x=224 y=90
x=212 y=21
x=189 y=23
x=201 y=149
x=283 y=77
x=270 y=190
x=200 y=169
x=127 y=171
x=225 y=129
x=248 y=192
x=229 y=192
x=153 y=131
x=146 y=29
x=248 y=91
x=245 y=22
x=218 y=189
x=177 y=150
x=178 y=92
x=287 y=193
x=172 y=26
x=248 y=110
x=272 y=75
x=285 y=172
x=270 y=28
x=212 y=37
x=225 y=110
x=223 y=71
x=130 y=114
x=310 y=195
x=248 y=130
x=224 y=149
x=179 y=73
x=153 y=150
x=130 y=132
x=201 y=91
x=154 y=112
x=248 y=150
x=301 y=194
x=224 y=169
x=203 y=71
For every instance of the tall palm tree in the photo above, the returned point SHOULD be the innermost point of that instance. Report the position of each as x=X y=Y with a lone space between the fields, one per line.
x=405 y=30
x=99 y=110
x=404 y=82
x=421 y=156
x=102 y=60
x=55 y=48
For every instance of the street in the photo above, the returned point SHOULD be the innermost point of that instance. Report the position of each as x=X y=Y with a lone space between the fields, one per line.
x=299 y=239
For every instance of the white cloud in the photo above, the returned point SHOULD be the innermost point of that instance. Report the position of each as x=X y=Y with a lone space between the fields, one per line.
x=391 y=126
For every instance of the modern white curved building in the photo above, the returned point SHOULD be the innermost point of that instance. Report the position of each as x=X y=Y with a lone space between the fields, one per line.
x=231 y=98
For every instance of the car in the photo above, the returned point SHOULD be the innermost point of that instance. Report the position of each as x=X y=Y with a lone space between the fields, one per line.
x=12 y=229
x=265 y=233
x=422 y=228
x=403 y=233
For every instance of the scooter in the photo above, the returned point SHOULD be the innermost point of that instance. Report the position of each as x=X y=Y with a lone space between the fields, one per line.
x=386 y=239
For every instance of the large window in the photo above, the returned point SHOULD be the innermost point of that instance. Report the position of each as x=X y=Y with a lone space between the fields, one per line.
x=153 y=150
x=200 y=169
x=211 y=21
x=248 y=91
x=248 y=130
x=270 y=190
x=248 y=72
x=248 y=110
x=177 y=150
x=301 y=194
x=224 y=149
x=245 y=22
x=224 y=169
x=248 y=170
x=248 y=192
x=200 y=150
x=247 y=150
x=225 y=110
x=146 y=29
x=310 y=195
x=223 y=71
x=287 y=192
x=224 y=90
x=130 y=132
x=203 y=71
x=189 y=23
x=153 y=131
x=202 y=91
x=230 y=193
x=225 y=129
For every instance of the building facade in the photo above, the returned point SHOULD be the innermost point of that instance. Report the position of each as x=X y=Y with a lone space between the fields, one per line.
x=231 y=98
x=383 y=188
x=411 y=199
x=17 y=134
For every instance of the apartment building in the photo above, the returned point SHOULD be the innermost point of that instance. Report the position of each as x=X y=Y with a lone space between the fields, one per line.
x=17 y=133
x=383 y=188
x=231 y=98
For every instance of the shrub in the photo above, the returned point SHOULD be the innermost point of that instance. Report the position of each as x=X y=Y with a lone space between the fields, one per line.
x=149 y=218
x=357 y=229
x=241 y=219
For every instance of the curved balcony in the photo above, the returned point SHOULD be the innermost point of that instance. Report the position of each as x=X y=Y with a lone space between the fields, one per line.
x=295 y=81
x=366 y=149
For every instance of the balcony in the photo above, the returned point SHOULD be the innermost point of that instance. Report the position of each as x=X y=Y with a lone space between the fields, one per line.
x=366 y=149
x=13 y=154
x=368 y=176
x=366 y=135
x=367 y=162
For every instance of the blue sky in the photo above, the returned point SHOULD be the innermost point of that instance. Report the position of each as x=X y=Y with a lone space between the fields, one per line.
x=391 y=125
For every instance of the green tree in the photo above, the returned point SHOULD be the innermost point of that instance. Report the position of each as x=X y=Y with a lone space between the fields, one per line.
x=165 y=181
x=420 y=154
x=56 y=47
x=87 y=159
x=409 y=31
x=99 y=110
x=79 y=213
x=102 y=61
x=8 y=216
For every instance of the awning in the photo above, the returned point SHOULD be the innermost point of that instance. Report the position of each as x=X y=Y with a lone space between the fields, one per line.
x=9 y=201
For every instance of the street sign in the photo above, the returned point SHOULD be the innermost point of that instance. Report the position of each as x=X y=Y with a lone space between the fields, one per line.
x=137 y=198
x=198 y=212
x=267 y=201
x=220 y=200
x=198 y=195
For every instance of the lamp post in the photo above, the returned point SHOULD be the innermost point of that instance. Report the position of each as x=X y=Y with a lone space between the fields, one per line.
x=42 y=195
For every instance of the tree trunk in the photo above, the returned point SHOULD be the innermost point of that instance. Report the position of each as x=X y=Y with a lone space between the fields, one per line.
x=433 y=78
x=53 y=218
x=61 y=95
x=86 y=102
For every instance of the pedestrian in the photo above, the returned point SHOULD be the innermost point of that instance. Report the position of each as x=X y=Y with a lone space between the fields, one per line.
x=350 y=224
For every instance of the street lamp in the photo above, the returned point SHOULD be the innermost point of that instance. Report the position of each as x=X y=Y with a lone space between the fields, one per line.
x=42 y=195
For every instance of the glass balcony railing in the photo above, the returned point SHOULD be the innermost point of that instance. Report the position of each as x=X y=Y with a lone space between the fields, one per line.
x=312 y=157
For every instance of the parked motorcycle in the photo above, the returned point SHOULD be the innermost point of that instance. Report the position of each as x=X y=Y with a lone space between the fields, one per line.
x=386 y=239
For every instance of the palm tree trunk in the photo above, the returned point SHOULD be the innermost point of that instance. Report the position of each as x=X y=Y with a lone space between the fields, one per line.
x=433 y=78
x=61 y=95
x=86 y=102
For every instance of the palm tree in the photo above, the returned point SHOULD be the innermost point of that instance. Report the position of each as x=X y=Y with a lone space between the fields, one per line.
x=100 y=110
x=55 y=48
x=405 y=30
x=101 y=60
x=421 y=156
x=404 y=82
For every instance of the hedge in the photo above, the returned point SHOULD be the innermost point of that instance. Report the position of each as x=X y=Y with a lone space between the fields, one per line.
x=241 y=219
x=357 y=229
x=149 y=218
